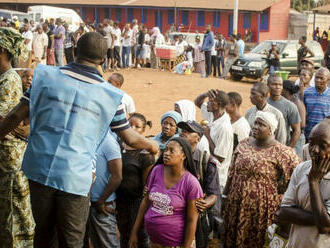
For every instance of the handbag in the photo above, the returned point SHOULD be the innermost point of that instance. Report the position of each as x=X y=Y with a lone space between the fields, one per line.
x=274 y=239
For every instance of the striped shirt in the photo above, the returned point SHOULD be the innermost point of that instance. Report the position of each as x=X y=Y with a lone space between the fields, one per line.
x=317 y=107
x=89 y=74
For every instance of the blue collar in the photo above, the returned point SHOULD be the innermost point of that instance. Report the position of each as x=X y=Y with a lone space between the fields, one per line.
x=323 y=93
x=85 y=70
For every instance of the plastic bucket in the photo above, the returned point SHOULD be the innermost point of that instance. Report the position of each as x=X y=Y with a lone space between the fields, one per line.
x=283 y=74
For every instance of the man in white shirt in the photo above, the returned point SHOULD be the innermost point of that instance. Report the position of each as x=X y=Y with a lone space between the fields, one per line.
x=306 y=202
x=126 y=48
x=108 y=30
x=28 y=35
x=116 y=35
x=117 y=80
x=220 y=132
x=241 y=126
x=135 y=32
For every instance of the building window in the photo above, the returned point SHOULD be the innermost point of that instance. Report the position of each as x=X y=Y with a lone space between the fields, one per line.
x=200 y=18
x=264 y=21
x=170 y=17
x=97 y=15
x=216 y=19
x=143 y=16
x=185 y=17
x=130 y=15
x=118 y=15
x=247 y=21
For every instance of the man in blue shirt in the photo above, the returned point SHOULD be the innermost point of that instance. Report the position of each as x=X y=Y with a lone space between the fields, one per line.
x=317 y=100
x=241 y=45
x=208 y=43
x=102 y=220
x=70 y=110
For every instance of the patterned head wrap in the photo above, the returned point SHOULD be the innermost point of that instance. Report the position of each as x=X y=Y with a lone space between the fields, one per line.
x=13 y=42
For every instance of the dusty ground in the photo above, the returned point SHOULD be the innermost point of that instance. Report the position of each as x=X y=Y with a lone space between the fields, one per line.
x=155 y=92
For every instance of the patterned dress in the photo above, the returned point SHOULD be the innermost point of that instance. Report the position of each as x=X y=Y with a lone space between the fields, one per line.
x=16 y=221
x=258 y=178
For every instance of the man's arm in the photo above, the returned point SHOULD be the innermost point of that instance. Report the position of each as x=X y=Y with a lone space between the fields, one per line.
x=200 y=100
x=115 y=168
x=311 y=54
x=296 y=131
x=320 y=213
x=137 y=141
x=14 y=118
x=295 y=215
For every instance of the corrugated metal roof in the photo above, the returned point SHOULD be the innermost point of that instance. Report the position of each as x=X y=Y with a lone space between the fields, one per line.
x=247 y=5
x=325 y=8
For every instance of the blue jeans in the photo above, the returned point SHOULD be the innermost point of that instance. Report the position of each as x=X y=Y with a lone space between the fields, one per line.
x=102 y=229
x=59 y=53
x=125 y=56
x=273 y=69
x=300 y=145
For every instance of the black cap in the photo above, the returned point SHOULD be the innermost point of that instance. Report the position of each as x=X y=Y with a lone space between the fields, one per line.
x=191 y=126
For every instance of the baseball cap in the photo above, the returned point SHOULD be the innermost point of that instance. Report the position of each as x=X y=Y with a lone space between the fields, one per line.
x=308 y=60
x=191 y=126
x=274 y=44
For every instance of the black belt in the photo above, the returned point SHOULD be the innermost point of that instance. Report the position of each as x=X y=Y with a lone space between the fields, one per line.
x=94 y=204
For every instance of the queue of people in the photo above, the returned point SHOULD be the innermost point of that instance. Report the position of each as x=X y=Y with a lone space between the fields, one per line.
x=84 y=167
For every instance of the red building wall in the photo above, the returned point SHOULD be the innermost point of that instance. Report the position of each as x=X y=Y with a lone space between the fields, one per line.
x=278 y=22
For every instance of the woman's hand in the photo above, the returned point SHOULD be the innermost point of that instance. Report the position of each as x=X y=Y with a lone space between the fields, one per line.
x=133 y=240
x=320 y=167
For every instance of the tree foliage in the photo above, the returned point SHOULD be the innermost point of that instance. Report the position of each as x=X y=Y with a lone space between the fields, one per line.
x=302 y=5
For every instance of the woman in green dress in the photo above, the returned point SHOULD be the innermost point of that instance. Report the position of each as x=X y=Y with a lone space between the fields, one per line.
x=16 y=220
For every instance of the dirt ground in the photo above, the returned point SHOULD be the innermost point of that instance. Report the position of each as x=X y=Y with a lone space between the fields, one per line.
x=155 y=92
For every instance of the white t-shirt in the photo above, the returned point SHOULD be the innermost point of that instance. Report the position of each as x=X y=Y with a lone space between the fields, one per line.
x=311 y=83
x=128 y=103
x=242 y=128
x=213 y=51
x=127 y=41
x=203 y=145
x=29 y=36
x=221 y=133
x=108 y=34
x=297 y=195
x=135 y=32
x=180 y=47
x=117 y=36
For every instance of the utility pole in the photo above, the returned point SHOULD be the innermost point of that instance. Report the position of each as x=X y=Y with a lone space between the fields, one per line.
x=175 y=16
x=235 y=21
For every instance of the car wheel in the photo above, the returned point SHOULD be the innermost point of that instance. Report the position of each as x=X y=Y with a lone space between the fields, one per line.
x=236 y=77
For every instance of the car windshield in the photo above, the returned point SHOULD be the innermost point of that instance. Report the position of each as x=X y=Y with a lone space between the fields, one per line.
x=267 y=45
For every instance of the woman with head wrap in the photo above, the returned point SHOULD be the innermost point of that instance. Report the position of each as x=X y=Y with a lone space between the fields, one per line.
x=169 y=122
x=157 y=39
x=16 y=225
x=258 y=176
x=169 y=207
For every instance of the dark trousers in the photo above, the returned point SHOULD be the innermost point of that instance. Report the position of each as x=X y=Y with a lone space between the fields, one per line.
x=221 y=62
x=126 y=215
x=216 y=66
x=208 y=62
x=116 y=53
x=60 y=217
x=68 y=54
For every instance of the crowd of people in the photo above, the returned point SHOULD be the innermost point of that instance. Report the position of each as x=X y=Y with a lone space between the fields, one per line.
x=76 y=166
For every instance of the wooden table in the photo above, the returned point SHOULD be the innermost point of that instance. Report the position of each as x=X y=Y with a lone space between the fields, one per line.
x=167 y=64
